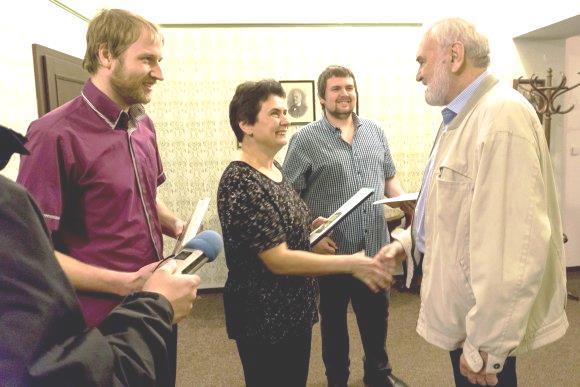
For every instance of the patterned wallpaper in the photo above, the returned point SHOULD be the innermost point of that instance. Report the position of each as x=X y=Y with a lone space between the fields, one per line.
x=202 y=67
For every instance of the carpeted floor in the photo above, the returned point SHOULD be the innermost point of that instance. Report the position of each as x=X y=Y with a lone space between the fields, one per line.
x=206 y=357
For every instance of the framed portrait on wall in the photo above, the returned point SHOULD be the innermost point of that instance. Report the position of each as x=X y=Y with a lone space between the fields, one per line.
x=300 y=97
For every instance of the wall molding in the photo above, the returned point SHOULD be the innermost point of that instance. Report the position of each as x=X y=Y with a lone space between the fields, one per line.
x=70 y=10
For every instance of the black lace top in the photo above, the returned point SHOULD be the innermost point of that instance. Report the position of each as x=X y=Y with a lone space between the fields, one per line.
x=256 y=214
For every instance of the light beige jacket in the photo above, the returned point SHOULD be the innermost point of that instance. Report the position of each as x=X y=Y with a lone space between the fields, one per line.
x=494 y=275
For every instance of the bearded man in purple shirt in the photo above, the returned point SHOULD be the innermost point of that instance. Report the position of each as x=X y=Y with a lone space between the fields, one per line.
x=94 y=167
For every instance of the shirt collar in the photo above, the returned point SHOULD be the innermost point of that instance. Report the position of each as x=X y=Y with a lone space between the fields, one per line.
x=461 y=100
x=329 y=126
x=108 y=110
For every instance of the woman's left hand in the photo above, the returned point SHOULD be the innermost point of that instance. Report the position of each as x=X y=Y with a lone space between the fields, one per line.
x=326 y=246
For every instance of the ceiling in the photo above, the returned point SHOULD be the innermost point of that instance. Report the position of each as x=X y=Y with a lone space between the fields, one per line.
x=519 y=19
x=252 y=11
x=562 y=29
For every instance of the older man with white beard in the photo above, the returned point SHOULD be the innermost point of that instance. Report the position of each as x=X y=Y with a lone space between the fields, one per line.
x=487 y=232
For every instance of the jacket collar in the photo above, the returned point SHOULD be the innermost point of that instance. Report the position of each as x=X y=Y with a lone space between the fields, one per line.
x=487 y=83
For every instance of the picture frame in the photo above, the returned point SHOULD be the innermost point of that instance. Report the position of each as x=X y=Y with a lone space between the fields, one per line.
x=301 y=101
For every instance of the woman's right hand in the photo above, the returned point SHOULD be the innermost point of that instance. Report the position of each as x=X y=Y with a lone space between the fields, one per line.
x=377 y=272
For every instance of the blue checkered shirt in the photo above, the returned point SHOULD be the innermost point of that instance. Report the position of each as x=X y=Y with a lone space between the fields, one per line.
x=327 y=171
x=449 y=113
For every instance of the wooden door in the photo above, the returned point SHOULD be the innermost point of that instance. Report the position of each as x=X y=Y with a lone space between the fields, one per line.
x=59 y=77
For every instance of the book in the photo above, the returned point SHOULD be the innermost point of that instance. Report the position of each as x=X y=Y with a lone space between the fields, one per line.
x=180 y=250
x=407 y=197
x=335 y=218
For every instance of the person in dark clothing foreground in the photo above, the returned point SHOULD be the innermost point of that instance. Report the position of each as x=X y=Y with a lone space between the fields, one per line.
x=43 y=335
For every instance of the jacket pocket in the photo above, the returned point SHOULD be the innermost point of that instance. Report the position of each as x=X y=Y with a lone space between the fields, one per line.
x=451 y=234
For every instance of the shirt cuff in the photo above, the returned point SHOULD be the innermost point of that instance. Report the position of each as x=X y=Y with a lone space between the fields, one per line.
x=52 y=221
x=474 y=360
x=161 y=179
x=403 y=236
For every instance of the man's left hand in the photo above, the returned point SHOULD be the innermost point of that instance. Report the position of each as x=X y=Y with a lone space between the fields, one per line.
x=318 y=222
x=482 y=378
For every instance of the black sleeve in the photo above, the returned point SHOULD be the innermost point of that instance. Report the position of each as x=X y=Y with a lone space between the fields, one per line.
x=248 y=211
x=43 y=337
x=127 y=349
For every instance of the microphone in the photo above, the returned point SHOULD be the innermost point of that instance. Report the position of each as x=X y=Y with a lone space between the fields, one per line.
x=203 y=248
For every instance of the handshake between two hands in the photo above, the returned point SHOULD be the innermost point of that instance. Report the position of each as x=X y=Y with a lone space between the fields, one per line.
x=377 y=273
x=381 y=268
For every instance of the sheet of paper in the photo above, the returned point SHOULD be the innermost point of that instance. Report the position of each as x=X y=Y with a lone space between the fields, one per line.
x=408 y=197
x=193 y=225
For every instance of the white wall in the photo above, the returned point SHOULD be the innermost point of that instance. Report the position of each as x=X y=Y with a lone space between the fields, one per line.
x=40 y=21
x=23 y=23
x=571 y=154
x=536 y=56
x=203 y=66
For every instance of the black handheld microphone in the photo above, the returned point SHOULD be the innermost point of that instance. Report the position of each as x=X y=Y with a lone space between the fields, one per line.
x=205 y=247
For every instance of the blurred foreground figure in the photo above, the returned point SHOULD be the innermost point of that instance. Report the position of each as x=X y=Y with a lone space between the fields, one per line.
x=44 y=340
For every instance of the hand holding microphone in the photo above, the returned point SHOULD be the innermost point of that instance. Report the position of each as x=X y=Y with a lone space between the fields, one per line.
x=204 y=248
x=175 y=278
x=179 y=289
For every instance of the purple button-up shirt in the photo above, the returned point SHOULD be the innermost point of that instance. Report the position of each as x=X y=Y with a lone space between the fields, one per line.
x=94 y=171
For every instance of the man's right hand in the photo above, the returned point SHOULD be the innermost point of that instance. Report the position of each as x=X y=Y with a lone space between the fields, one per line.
x=179 y=289
x=137 y=279
x=375 y=273
x=393 y=252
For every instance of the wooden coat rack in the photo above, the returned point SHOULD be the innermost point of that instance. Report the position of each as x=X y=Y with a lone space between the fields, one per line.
x=542 y=95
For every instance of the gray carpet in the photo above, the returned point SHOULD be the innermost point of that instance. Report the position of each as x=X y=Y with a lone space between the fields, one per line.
x=206 y=357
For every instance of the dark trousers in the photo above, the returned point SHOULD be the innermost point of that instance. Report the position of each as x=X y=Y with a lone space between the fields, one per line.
x=506 y=378
x=281 y=364
x=371 y=310
x=172 y=354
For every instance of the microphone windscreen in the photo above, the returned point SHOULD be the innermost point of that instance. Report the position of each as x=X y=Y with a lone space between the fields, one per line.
x=208 y=241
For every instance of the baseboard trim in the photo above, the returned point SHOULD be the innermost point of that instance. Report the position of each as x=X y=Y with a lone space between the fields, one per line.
x=210 y=290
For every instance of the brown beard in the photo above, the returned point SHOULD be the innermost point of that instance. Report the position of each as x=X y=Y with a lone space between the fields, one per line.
x=130 y=87
x=339 y=115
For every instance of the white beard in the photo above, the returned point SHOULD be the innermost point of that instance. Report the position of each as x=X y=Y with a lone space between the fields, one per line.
x=439 y=87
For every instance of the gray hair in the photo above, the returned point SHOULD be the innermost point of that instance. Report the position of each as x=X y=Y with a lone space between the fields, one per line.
x=448 y=31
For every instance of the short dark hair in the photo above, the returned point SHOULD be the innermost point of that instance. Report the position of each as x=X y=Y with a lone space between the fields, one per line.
x=333 y=71
x=247 y=102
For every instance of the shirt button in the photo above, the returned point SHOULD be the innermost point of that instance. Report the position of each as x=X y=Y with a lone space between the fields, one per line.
x=496 y=366
x=364 y=211
x=366 y=231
